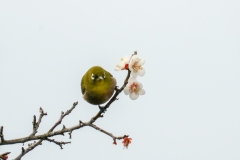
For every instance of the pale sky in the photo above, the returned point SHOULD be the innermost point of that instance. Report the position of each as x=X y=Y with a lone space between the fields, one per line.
x=191 y=107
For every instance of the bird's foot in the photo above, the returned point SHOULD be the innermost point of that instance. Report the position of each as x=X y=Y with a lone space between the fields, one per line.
x=102 y=109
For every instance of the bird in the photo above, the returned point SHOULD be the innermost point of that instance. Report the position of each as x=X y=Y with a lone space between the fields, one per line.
x=97 y=85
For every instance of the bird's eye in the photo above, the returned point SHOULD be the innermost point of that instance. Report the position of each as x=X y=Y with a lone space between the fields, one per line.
x=93 y=76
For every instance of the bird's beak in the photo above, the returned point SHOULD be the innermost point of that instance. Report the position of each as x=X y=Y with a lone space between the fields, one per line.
x=100 y=78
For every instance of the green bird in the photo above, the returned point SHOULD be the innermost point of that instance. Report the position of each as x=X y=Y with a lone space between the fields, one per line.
x=97 y=85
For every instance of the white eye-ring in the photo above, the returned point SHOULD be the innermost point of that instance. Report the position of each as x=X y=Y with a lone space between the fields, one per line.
x=104 y=76
x=93 y=77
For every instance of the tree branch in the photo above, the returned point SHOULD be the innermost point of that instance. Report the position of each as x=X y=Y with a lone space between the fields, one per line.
x=30 y=147
x=50 y=133
x=35 y=144
x=107 y=133
x=46 y=136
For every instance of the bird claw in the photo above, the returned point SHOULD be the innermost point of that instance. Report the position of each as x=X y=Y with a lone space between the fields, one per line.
x=102 y=110
x=116 y=88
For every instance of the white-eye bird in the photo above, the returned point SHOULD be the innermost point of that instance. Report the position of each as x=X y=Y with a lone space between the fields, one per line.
x=97 y=85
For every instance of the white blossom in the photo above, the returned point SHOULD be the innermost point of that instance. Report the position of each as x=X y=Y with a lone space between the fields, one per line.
x=135 y=66
x=122 y=64
x=134 y=88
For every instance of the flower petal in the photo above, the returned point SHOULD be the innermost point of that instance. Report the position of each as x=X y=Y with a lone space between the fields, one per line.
x=117 y=69
x=134 y=57
x=120 y=64
x=132 y=79
x=126 y=90
x=142 y=61
x=141 y=91
x=133 y=96
x=126 y=59
x=134 y=74
x=130 y=68
x=141 y=72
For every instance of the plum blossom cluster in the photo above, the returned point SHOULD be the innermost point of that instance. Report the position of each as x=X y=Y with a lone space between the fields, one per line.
x=135 y=65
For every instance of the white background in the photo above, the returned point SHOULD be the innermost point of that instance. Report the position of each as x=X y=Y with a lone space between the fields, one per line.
x=191 y=107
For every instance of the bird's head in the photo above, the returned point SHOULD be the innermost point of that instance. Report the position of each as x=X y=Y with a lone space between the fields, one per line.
x=98 y=75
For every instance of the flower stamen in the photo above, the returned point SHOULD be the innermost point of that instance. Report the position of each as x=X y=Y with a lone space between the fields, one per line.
x=134 y=87
x=136 y=66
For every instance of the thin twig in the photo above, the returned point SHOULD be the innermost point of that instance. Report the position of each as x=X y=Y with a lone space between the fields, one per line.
x=107 y=133
x=25 y=151
x=62 y=116
x=1 y=134
x=37 y=124
x=60 y=144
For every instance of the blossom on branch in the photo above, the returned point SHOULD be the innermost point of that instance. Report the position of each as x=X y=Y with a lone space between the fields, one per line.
x=134 y=88
x=135 y=66
x=123 y=64
x=126 y=141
